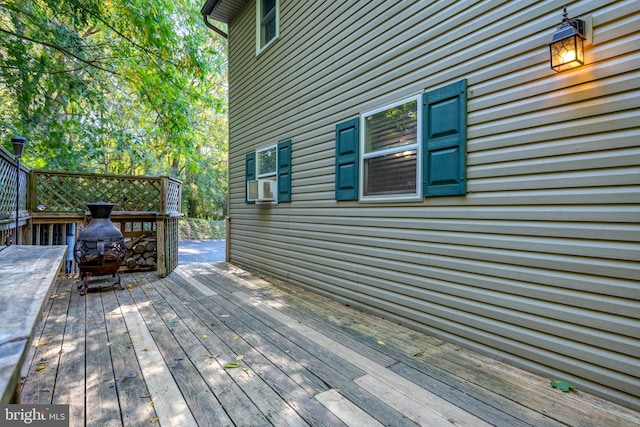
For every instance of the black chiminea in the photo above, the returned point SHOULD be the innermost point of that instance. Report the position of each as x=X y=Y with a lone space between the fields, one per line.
x=100 y=248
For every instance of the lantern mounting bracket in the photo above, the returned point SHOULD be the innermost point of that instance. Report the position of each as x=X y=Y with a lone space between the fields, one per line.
x=578 y=24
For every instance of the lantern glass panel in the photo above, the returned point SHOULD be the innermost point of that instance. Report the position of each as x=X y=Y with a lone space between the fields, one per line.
x=567 y=53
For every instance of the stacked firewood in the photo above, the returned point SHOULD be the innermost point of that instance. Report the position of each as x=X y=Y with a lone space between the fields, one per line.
x=141 y=253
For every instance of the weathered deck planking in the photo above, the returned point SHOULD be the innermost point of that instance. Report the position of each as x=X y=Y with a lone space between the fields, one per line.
x=332 y=370
x=134 y=398
x=169 y=337
x=153 y=354
x=164 y=389
x=205 y=354
x=464 y=394
x=426 y=408
x=268 y=394
x=522 y=397
x=302 y=358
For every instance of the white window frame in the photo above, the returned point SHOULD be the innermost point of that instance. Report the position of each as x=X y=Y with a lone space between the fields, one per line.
x=260 y=28
x=417 y=146
x=273 y=174
x=268 y=175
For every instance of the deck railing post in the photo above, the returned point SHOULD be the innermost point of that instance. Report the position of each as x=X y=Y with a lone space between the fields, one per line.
x=161 y=248
x=32 y=191
x=163 y=195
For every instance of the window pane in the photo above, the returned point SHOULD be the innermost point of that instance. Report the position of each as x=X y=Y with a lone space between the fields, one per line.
x=391 y=174
x=390 y=128
x=267 y=161
x=269 y=31
x=267 y=6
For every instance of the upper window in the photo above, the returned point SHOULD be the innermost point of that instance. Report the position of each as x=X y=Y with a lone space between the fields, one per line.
x=390 y=151
x=266 y=23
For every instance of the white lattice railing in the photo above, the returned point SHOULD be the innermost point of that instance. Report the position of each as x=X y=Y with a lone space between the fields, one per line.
x=69 y=192
x=8 y=186
x=172 y=189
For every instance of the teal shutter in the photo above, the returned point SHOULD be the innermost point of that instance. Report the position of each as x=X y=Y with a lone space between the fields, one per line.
x=249 y=173
x=347 y=147
x=445 y=140
x=284 y=171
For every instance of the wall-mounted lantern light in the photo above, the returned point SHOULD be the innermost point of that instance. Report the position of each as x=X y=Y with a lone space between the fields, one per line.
x=567 y=45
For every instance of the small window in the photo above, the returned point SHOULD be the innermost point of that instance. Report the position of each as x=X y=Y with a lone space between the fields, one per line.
x=390 y=150
x=266 y=23
x=268 y=174
x=266 y=165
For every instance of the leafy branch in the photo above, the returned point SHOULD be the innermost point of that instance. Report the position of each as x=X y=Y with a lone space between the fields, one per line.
x=91 y=63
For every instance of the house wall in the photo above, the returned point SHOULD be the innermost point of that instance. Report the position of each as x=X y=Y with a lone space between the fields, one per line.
x=538 y=263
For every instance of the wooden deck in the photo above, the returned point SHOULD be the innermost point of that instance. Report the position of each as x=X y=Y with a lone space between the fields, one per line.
x=212 y=345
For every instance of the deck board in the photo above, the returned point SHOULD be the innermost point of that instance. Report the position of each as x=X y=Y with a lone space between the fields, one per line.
x=452 y=388
x=153 y=354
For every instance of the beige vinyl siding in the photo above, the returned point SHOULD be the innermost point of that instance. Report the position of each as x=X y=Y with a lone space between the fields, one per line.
x=538 y=263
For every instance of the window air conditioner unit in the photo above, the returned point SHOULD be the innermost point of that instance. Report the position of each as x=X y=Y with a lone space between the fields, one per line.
x=261 y=190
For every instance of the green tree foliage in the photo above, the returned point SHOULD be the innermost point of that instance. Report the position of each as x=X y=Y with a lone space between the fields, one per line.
x=118 y=86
